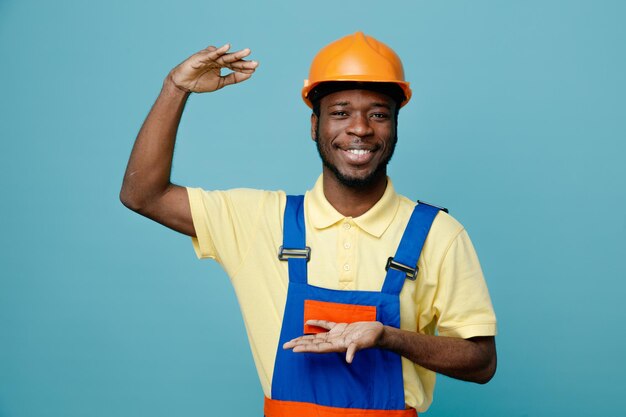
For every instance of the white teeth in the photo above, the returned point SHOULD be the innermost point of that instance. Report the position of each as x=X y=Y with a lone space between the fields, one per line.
x=358 y=151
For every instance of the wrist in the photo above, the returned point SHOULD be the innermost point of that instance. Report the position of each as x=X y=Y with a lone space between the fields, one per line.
x=169 y=86
x=386 y=335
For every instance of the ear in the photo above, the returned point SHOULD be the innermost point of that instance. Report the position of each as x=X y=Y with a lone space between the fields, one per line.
x=313 y=126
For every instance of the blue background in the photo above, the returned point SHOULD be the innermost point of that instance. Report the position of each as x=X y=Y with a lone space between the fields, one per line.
x=517 y=124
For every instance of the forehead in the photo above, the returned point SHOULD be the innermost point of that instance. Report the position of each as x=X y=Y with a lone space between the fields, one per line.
x=357 y=98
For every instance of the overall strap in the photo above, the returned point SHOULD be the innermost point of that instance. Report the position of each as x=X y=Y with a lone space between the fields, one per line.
x=294 y=249
x=404 y=264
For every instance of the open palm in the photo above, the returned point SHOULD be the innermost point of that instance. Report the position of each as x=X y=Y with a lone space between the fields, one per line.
x=340 y=337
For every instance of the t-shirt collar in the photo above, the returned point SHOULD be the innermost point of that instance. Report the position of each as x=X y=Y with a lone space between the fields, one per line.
x=375 y=221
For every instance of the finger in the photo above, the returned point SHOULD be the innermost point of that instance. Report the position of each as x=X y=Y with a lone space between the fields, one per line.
x=321 y=343
x=305 y=337
x=201 y=56
x=246 y=67
x=310 y=339
x=232 y=60
x=224 y=48
x=306 y=340
x=212 y=54
x=208 y=55
x=243 y=66
x=350 y=352
x=234 y=78
x=322 y=347
x=243 y=70
x=242 y=63
x=298 y=340
x=325 y=324
x=234 y=56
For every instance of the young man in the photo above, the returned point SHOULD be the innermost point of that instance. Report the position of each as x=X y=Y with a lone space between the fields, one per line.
x=345 y=320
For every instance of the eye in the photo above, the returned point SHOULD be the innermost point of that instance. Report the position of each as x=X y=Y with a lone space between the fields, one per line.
x=339 y=113
x=380 y=115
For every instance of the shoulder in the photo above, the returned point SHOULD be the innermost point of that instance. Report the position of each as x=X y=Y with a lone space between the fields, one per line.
x=444 y=231
x=238 y=198
x=444 y=226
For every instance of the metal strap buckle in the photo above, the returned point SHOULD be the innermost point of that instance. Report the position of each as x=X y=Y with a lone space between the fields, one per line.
x=411 y=273
x=286 y=253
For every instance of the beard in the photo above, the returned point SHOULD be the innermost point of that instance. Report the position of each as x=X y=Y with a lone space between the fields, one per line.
x=356 y=182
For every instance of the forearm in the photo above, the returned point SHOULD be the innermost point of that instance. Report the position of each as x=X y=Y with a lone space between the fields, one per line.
x=148 y=172
x=467 y=359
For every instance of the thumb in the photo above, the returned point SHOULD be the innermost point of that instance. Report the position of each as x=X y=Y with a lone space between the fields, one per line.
x=352 y=349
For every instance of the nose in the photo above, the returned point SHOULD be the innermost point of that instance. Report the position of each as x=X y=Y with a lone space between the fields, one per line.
x=360 y=125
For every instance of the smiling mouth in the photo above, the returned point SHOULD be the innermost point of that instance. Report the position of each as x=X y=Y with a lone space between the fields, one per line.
x=359 y=151
x=357 y=156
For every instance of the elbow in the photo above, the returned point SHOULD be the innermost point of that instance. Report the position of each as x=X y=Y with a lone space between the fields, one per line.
x=127 y=201
x=486 y=373
x=140 y=192
x=484 y=360
x=131 y=200
x=136 y=193
x=141 y=200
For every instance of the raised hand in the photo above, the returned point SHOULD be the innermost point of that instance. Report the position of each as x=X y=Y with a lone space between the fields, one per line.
x=341 y=337
x=201 y=72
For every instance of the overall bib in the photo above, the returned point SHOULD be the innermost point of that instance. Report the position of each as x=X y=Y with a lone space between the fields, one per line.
x=323 y=384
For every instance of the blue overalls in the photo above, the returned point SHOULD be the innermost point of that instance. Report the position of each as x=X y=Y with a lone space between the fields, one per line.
x=321 y=385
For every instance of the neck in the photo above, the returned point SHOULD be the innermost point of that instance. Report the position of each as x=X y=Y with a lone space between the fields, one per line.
x=350 y=201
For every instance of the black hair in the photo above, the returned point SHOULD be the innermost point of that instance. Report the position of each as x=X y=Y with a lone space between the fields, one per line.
x=321 y=90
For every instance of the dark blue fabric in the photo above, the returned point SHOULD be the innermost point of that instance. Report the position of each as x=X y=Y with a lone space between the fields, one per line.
x=410 y=246
x=374 y=379
x=294 y=236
